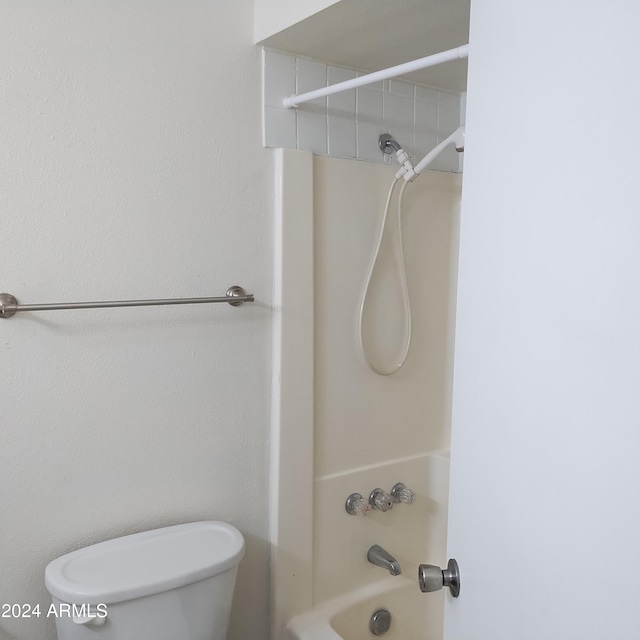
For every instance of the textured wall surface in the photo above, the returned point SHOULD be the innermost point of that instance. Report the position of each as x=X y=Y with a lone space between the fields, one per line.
x=131 y=167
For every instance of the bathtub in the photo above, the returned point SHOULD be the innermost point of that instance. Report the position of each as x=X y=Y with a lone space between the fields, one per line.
x=414 y=615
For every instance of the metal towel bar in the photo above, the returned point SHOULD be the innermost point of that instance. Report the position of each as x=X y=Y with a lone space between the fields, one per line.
x=9 y=306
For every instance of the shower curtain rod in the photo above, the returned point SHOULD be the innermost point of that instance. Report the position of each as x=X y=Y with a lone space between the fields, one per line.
x=421 y=63
x=9 y=306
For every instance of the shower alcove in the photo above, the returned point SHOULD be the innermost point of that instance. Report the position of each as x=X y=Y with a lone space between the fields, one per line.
x=337 y=427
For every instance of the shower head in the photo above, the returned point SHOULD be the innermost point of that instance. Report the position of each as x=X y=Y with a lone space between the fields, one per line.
x=456 y=139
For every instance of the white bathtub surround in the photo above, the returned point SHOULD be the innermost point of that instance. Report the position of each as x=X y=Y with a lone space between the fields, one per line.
x=411 y=533
x=347 y=125
x=361 y=418
x=361 y=431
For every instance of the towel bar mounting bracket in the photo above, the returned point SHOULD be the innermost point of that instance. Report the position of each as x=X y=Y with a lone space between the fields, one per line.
x=8 y=304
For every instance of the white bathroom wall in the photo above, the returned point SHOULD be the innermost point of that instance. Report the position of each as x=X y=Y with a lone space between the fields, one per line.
x=131 y=167
x=347 y=125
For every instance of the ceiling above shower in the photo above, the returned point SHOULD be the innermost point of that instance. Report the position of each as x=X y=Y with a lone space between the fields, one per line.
x=375 y=34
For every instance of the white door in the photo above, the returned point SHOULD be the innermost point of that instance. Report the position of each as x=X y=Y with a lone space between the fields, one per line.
x=545 y=488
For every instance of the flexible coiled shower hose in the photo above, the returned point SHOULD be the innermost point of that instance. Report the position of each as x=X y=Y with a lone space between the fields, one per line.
x=405 y=288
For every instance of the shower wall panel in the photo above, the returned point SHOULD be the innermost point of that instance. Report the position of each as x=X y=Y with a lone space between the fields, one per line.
x=369 y=430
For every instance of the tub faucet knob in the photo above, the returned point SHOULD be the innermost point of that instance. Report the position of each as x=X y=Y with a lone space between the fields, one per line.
x=380 y=499
x=356 y=505
x=401 y=493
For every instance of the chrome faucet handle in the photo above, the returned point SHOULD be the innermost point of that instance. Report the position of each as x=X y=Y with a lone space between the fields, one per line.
x=400 y=493
x=356 y=505
x=380 y=499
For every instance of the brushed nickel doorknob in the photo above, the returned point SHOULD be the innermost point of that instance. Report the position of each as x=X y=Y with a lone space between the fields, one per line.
x=433 y=578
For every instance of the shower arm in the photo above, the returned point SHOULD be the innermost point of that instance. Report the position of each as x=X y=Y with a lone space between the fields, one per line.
x=387 y=144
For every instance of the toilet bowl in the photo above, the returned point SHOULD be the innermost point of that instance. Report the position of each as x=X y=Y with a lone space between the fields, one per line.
x=174 y=583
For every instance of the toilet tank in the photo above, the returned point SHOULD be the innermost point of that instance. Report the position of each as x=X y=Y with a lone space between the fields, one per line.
x=174 y=583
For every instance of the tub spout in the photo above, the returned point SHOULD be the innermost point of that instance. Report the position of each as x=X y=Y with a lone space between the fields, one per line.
x=378 y=556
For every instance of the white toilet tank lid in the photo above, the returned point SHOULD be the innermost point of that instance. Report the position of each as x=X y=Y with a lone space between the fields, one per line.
x=144 y=563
